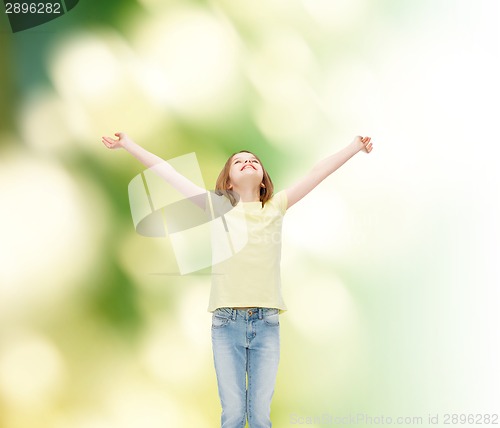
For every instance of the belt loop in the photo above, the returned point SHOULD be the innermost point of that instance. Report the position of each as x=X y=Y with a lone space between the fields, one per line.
x=260 y=313
x=233 y=315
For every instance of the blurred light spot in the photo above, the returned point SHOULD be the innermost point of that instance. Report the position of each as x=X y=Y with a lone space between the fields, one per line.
x=282 y=51
x=279 y=69
x=82 y=419
x=155 y=5
x=45 y=124
x=329 y=234
x=105 y=84
x=31 y=370
x=145 y=259
x=335 y=315
x=194 y=318
x=198 y=57
x=137 y=404
x=352 y=97
x=86 y=66
x=153 y=82
x=283 y=122
x=46 y=234
x=446 y=94
x=251 y=17
x=169 y=356
x=338 y=15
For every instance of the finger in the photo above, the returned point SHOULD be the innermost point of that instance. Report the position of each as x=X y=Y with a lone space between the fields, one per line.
x=109 y=143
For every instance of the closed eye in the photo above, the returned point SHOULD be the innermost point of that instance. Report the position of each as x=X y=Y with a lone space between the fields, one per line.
x=251 y=160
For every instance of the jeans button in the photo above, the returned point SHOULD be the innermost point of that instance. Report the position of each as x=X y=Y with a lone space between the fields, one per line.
x=250 y=313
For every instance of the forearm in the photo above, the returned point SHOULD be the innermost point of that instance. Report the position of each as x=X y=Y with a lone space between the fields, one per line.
x=330 y=164
x=151 y=161
x=326 y=167
x=163 y=169
x=148 y=159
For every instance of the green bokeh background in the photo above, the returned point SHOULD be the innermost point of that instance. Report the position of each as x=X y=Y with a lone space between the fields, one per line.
x=390 y=267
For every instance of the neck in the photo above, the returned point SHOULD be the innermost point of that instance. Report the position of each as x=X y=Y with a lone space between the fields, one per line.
x=248 y=195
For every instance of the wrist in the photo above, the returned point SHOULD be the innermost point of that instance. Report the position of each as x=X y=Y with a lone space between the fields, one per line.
x=356 y=145
x=127 y=144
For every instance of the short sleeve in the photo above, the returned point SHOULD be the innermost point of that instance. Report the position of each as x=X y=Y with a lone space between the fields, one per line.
x=280 y=200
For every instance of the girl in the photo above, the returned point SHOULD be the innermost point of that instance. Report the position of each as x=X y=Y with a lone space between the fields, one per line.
x=245 y=296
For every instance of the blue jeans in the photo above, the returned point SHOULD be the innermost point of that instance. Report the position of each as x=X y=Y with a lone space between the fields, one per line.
x=246 y=346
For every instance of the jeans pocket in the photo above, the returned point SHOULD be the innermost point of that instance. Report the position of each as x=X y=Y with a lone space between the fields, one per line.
x=218 y=321
x=272 y=320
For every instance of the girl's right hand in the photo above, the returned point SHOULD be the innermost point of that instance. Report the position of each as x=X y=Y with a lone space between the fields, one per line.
x=119 y=143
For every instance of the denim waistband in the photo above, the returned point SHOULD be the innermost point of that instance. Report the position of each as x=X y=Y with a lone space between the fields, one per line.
x=246 y=313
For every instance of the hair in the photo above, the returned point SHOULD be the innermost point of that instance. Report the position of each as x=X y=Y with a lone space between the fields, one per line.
x=222 y=185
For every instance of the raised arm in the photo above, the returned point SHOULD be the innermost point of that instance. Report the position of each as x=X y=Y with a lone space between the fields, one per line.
x=155 y=163
x=326 y=167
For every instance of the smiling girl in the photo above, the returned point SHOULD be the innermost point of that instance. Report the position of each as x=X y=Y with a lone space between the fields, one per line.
x=245 y=297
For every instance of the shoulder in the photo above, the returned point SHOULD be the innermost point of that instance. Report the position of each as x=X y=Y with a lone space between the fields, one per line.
x=222 y=202
x=279 y=201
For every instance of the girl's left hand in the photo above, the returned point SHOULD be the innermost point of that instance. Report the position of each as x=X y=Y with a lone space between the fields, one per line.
x=364 y=143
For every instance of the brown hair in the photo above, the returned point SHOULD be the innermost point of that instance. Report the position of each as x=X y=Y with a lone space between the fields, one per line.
x=222 y=184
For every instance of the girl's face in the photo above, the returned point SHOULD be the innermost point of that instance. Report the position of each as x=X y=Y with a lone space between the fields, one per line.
x=243 y=172
x=245 y=169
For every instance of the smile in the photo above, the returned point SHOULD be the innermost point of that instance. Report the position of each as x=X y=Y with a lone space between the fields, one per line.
x=248 y=166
